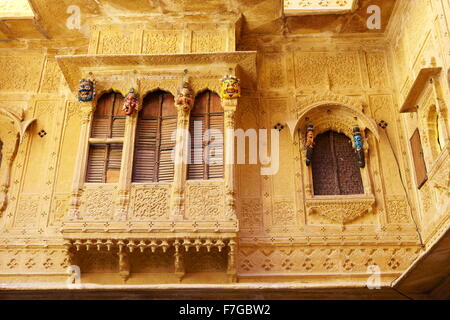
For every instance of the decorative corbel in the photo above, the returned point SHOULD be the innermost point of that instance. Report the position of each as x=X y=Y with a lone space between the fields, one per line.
x=231 y=267
x=131 y=102
x=124 y=265
x=86 y=91
x=358 y=145
x=179 y=261
x=309 y=144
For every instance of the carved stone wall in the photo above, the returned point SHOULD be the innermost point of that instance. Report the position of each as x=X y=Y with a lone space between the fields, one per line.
x=284 y=231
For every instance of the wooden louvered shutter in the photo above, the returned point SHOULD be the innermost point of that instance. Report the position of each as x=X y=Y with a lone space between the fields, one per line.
x=146 y=136
x=419 y=161
x=167 y=145
x=109 y=119
x=105 y=159
x=215 y=168
x=196 y=165
x=153 y=149
x=96 y=163
x=207 y=114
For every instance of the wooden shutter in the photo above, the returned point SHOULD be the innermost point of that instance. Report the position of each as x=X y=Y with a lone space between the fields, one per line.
x=109 y=119
x=196 y=166
x=114 y=163
x=209 y=112
x=96 y=163
x=166 y=163
x=153 y=148
x=104 y=163
x=215 y=169
x=335 y=166
x=419 y=161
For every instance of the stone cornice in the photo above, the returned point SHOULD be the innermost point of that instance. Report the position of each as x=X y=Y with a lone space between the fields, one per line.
x=75 y=67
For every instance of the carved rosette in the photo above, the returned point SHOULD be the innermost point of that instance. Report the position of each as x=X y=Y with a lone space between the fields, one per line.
x=340 y=210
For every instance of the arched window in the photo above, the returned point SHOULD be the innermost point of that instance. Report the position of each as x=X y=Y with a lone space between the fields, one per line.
x=154 y=145
x=335 y=166
x=106 y=140
x=206 y=157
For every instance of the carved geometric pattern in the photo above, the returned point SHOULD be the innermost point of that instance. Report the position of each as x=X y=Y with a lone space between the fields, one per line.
x=150 y=202
x=283 y=213
x=27 y=210
x=323 y=260
x=397 y=210
x=98 y=202
x=205 y=201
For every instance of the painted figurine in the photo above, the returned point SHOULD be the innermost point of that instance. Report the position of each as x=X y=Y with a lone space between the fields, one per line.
x=185 y=97
x=231 y=87
x=309 y=144
x=86 y=92
x=131 y=102
x=358 y=145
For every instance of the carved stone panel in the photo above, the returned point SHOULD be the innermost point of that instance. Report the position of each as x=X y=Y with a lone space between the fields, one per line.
x=97 y=202
x=150 y=202
x=205 y=201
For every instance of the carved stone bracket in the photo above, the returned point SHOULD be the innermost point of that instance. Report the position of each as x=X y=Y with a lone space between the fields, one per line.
x=340 y=209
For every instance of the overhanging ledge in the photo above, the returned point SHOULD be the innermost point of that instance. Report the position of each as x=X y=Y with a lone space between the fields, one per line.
x=75 y=67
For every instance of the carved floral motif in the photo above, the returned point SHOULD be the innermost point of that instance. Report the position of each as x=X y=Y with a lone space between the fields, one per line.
x=150 y=202
x=339 y=209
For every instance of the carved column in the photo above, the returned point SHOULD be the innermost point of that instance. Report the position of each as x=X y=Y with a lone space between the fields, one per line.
x=123 y=195
x=184 y=103
x=124 y=265
x=180 y=163
x=229 y=106
x=80 y=166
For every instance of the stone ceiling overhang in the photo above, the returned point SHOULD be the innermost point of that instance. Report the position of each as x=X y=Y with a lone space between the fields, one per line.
x=138 y=66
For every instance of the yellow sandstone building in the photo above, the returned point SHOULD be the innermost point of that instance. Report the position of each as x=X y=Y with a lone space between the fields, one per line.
x=96 y=200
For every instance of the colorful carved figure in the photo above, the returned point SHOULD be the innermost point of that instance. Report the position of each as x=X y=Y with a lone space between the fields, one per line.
x=309 y=144
x=185 y=97
x=86 y=92
x=131 y=102
x=358 y=145
x=231 y=87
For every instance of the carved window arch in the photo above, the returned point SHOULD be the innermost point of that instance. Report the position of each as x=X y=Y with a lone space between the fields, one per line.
x=335 y=167
x=106 y=140
x=206 y=132
x=154 y=145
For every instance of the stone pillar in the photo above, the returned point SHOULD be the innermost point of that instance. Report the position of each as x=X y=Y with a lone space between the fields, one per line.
x=126 y=171
x=229 y=106
x=80 y=166
x=184 y=103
